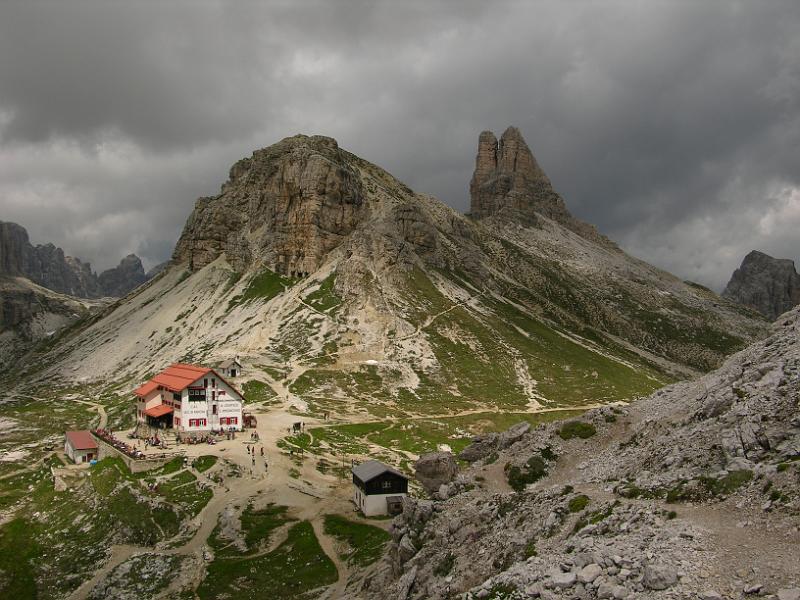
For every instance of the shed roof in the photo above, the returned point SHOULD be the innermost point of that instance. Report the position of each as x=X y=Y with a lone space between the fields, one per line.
x=158 y=411
x=81 y=440
x=370 y=469
x=229 y=363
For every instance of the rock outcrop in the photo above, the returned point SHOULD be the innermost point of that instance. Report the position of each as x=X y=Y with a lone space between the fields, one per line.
x=769 y=285
x=287 y=206
x=48 y=266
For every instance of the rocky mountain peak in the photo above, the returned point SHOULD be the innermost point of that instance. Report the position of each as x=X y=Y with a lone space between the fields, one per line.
x=287 y=205
x=120 y=280
x=509 y=184
x=507 y=176
x=769 y=285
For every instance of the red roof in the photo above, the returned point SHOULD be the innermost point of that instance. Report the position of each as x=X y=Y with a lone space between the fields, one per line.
x=81 y=440
x=177 y=378
x=158 y=411
x=145 y=389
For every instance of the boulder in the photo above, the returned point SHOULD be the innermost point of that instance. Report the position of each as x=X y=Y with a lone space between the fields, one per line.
x=589 y=573
x=563 y=580
x=481 y=447
x=659 y=577
x=405 y=583
x=435 y=469
x=513 y=434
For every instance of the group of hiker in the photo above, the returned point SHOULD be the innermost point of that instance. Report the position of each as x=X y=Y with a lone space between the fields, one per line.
x=251 y=450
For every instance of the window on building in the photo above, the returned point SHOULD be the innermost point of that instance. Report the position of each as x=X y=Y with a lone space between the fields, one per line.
x=387 y=485
x=214 y=409
x=205 y=383
x=213 y=382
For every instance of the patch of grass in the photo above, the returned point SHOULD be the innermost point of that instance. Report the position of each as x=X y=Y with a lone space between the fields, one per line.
x=425 y=435
x=705 y=488
x=258 y=525
x=530 y=549
x=578 y=503
x=325 y=299
x=18 y=551
x=501 y=591
x=291 y=571
x=204 y=463
x=184 y=491
x=577 y=429
x=365 y=542
x=444 y=566
x=173 y=466
x=264 y=286
x=519 y=477
x=256 y=391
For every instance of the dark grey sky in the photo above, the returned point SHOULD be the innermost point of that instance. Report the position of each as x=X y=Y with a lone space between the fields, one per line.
x=673 y=126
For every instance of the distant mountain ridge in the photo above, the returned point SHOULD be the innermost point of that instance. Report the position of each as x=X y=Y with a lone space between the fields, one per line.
x=48 y=266
x=769 y=285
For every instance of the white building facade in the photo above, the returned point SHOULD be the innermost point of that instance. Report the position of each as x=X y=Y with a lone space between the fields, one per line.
x=189 y=399
x=378 y=489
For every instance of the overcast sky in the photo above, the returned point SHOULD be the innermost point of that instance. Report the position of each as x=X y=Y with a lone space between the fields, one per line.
x=672 y=126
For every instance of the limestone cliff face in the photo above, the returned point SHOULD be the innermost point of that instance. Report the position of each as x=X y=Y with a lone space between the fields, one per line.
x=288 y=206
x=769 y=285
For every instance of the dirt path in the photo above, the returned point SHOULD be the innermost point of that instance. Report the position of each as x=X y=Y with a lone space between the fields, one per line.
x=328 y=545
x=366 y=420
x=99 y=408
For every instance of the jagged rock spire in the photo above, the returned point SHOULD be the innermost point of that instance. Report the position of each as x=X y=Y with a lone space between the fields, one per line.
x=508 y=176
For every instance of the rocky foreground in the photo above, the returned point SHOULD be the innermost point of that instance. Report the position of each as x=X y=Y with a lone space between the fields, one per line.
x=693 y=492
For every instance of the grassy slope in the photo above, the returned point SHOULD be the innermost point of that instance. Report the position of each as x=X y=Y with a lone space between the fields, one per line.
x=57 y=538
x=295 y=568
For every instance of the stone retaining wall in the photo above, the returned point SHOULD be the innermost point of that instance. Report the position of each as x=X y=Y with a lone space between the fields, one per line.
x=136 y=465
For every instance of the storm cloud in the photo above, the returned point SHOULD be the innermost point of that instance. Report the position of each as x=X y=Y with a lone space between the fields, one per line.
x=672 y=126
